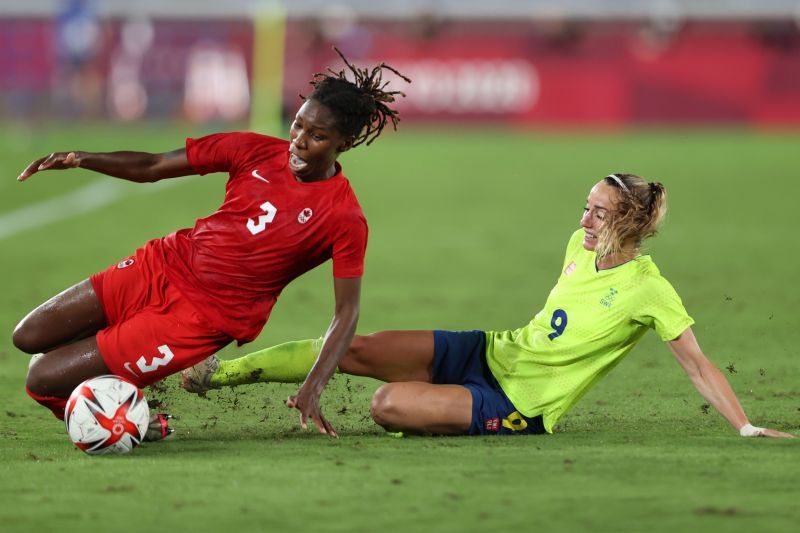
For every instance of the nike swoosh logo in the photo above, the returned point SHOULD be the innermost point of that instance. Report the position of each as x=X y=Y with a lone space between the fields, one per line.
x=129 y=369
x=256 y=175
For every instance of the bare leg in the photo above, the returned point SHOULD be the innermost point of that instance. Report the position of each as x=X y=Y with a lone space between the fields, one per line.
x=422 y=408
x=386 y=355
x=73 y=314
x=409 y=402
x=391 y=356
x=57 y=372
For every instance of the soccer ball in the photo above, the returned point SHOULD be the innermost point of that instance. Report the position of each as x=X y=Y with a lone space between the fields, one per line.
x=106 y=414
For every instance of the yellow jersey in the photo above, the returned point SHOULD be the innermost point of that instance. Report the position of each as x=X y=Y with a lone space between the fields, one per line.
x=591 y=320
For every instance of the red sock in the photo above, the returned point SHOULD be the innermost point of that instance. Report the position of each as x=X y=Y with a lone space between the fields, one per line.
x=56 y=405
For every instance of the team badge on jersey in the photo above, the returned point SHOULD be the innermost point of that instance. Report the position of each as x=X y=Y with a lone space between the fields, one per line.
x=608 y=299
x=492 y=424
x=304 y=215
x=128 y=262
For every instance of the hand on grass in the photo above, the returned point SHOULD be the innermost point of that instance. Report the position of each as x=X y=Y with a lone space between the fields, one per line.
x=775 y=433
x=54 y=161
x=308 y=404
x=749 y=430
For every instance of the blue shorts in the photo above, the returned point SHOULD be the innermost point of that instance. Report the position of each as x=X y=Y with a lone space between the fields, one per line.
x=460 y=359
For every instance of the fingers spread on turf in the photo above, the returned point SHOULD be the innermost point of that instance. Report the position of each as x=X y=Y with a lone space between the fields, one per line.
x=331 y=431
x=324 y=426
x=311 y=411
x=320 y=423
x=291 y=403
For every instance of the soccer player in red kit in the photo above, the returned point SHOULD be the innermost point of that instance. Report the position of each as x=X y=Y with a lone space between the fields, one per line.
x=181 y=298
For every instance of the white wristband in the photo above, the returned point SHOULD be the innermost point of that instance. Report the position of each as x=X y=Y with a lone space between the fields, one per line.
x=749 y=430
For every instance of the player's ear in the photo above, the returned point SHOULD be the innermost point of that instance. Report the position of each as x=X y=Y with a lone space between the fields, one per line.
x=346 y=144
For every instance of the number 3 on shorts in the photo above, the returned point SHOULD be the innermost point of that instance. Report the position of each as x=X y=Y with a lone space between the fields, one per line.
x=157 y=362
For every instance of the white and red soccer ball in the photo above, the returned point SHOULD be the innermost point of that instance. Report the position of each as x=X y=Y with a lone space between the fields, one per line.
x=106 y=414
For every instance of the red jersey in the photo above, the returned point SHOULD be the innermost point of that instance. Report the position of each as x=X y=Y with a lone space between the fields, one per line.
x=270 y=229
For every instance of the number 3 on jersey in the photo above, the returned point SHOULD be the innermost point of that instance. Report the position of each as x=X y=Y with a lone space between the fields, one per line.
x=558 y=323
x=257 y=227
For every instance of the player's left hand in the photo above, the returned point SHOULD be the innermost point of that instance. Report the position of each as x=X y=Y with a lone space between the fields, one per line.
x=307 y=402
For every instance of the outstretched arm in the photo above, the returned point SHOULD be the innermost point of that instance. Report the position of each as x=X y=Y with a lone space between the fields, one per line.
x=713 y=386
x=141 y=167
x=337 y=340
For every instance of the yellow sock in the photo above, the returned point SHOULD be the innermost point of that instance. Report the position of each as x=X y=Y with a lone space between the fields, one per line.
x=285 y=363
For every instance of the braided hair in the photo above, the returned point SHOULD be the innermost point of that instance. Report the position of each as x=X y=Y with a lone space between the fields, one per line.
x=360 y=107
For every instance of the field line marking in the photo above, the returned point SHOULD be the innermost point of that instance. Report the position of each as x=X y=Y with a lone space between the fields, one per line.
x=84 y=200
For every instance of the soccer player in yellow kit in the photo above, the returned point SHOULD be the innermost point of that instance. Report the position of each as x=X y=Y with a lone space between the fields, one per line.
x=522 y=381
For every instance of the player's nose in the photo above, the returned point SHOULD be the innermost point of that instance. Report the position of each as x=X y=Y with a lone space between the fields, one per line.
x=300 y=141
x=586 y=220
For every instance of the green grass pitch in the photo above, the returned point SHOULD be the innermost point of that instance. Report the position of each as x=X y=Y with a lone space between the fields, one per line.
x=467 y=230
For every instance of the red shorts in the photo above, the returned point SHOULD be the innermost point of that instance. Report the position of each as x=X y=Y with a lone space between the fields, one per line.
x=153 y=331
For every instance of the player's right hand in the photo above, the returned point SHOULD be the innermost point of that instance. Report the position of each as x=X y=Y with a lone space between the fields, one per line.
x=307 y=402
x=54 y=161
x=775 y=433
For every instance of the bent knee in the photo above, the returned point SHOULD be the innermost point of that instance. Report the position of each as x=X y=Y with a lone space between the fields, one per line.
x=43 y=379
x=37 y=381
x=384 y=408
x=27 y=336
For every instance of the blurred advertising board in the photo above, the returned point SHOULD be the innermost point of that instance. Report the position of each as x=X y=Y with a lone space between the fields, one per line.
x=531 y=72
x=573 y=73
x=127 y=69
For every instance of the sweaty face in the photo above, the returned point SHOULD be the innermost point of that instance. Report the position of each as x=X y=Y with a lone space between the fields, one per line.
x=315 y=142
x=599 y=206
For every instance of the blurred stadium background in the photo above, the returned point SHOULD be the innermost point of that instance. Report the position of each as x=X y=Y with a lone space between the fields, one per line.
x=574 y=63
x=516 y=107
